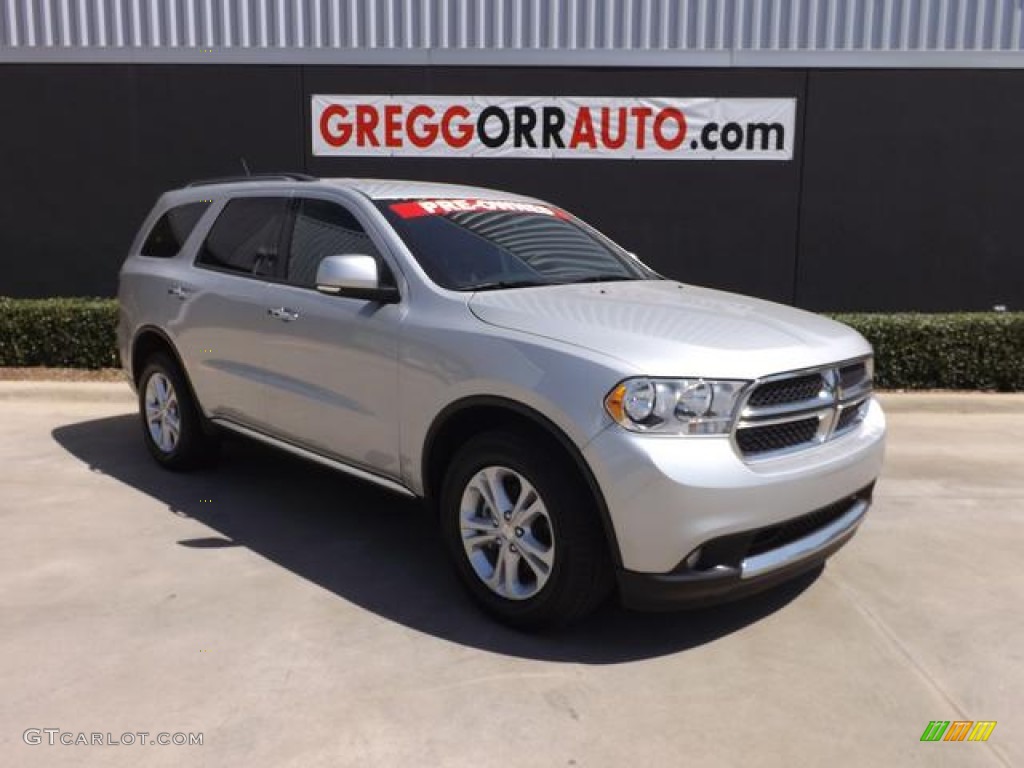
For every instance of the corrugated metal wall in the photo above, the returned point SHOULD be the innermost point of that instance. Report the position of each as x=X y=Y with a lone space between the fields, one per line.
x=956 y=29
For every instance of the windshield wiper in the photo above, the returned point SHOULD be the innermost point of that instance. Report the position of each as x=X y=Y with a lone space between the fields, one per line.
x=494 y=285
x=602 y=279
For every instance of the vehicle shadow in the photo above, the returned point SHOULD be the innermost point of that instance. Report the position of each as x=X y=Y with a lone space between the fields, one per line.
x=378 y=550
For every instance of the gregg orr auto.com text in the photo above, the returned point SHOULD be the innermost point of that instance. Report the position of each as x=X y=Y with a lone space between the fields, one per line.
x=564 y=127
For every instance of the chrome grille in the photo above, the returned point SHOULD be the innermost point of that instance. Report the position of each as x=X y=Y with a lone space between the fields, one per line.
x=851 y=375
x=793 y=411
x=777 y=437
x=787 y=390
x=850 y=416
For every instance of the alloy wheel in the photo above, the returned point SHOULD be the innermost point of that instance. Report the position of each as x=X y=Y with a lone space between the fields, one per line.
x=507 y=533
x=163 y=417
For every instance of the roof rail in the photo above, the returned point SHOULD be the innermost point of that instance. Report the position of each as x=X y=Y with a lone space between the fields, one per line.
x=254 y=177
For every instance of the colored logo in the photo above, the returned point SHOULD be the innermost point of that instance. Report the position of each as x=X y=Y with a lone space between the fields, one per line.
x=958 y=730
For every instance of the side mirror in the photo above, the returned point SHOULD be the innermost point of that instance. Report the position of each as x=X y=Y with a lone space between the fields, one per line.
x=353 y=275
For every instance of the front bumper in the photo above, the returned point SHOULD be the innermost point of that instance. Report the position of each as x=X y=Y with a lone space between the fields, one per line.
x=669 y=496
x=695 y=586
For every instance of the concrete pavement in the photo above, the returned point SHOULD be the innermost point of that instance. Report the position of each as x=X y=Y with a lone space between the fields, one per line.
x=298 y=618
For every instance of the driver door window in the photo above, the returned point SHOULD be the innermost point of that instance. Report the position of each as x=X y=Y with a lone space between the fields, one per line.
x=324 y=229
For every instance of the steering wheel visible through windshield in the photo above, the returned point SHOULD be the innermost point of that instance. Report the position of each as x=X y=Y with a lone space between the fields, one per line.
x=473 y=245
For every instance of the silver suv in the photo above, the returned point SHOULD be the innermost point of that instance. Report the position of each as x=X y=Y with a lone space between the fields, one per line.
x=578 y=422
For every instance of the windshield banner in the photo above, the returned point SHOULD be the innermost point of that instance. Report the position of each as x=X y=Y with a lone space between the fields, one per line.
x=554 y=127
x=416 y=208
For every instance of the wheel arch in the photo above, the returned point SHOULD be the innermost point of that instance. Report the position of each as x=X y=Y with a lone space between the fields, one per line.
x=149 y=340
x=475 y=414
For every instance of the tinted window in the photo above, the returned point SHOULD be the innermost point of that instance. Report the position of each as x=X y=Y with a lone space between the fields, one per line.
x=324 y=229
x=469 y=249
x=172 y=230
x=246 y=236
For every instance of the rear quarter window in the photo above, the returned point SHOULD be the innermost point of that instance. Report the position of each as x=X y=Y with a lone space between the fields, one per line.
x=172 y=229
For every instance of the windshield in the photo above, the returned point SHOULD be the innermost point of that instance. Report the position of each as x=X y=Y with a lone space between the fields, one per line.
x=473 y=245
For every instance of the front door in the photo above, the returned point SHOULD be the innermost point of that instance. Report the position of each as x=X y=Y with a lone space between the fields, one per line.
x=332 y=361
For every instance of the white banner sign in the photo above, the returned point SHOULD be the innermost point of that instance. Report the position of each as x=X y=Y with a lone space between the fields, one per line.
x=554 y=127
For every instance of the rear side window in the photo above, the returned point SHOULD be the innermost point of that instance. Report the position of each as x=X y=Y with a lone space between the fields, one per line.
x=324 y=229
x=246 y=237
x=172 y=230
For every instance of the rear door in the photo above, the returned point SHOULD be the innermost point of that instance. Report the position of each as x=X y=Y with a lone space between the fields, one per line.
x=223 y=319
x=333 y=360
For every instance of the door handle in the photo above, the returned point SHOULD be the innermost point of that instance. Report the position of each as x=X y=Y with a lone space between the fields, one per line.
x=179 y=291
x=283 y=313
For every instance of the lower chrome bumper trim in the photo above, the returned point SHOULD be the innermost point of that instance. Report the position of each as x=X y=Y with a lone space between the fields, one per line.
x=808 y=546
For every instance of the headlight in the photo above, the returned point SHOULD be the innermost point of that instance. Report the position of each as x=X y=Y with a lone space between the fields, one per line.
x=675 y=406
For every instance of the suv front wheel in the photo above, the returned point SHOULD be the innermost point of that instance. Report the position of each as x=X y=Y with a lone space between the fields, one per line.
x=519 y=524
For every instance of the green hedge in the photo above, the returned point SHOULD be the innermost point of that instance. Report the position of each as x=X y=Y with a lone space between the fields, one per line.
x=913 y=351
x=59 y=333
x=947 y=351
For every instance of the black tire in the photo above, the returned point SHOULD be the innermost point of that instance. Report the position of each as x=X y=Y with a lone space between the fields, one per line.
x=194 y=446
x=580 y=576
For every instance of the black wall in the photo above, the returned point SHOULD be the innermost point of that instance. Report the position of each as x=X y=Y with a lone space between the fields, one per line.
x=903 y=192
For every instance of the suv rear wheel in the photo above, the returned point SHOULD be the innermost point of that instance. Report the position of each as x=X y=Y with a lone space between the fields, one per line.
x=517 y=521
x=171 y=421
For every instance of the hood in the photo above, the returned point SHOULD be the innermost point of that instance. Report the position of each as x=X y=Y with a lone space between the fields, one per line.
x=664 y=328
